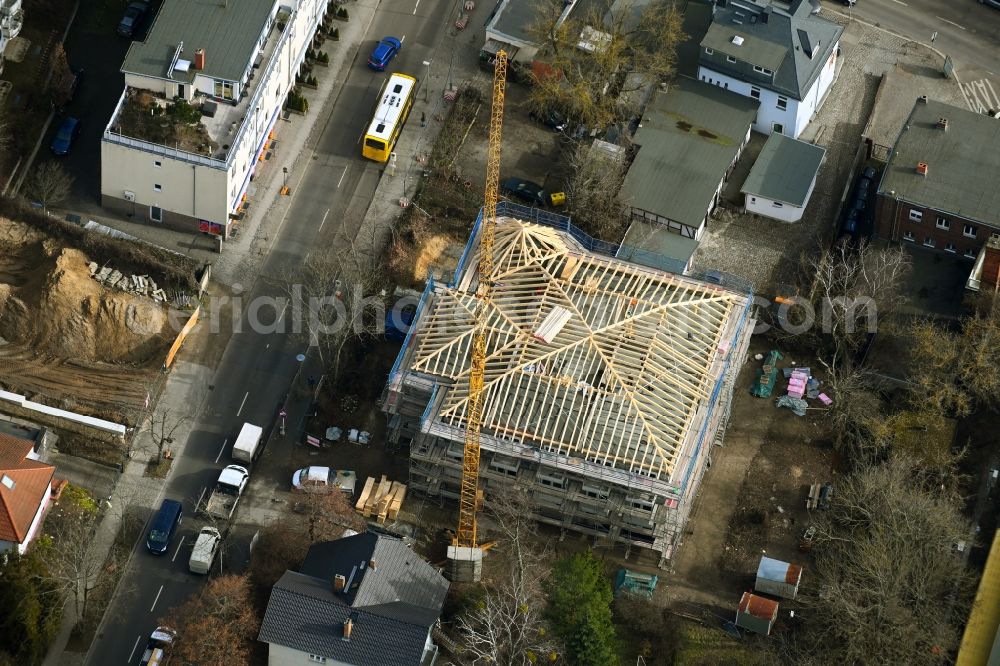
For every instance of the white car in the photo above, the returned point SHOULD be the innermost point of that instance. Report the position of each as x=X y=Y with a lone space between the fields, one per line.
x=323 y=480
x=205 y=548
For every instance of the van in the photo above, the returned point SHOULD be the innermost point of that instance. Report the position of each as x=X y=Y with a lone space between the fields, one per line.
x=245 y=448
x=204 y=550
x=161 y=530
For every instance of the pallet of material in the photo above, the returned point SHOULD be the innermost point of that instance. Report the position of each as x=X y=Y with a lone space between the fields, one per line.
x=375 y=497
x=382 y=508
x=813 y=500
x=397 y=501
x=365 y=492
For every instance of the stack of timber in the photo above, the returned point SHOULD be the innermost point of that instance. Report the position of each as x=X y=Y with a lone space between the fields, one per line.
x=381 y=499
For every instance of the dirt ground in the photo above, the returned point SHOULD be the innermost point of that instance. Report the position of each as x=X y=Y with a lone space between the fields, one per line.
x=67 y=338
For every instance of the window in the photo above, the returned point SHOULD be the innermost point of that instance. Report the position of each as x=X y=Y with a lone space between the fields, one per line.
x=709 y=51
x=916 y=215
x=156 y=214
x=157 y=187
x=224 y=89
x=594 y=492
x=641 y=504
x=782 y=102
x=970 y=254
x=762 y=70
x=969 y=231
x=943 y=224
x=730 y=59
x=950 y=247
x=552 y=481
x=157 y=163
x=755 y=92
x=928 y=242
x=908 y=236
x=777 y=204
x=777 y=128
x=316 y=659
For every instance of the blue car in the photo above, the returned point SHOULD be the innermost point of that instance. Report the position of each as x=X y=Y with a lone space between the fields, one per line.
x=63 y=140
x=384 y=52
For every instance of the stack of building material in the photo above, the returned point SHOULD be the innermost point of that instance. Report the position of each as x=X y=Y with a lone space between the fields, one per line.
x=797 y=383
x=382 y=499
x=768 y=374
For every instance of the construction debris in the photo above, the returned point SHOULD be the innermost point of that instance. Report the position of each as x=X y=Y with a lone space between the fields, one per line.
x=141 y=285
x=382 y=500
x=768 y=375
x=797 y=405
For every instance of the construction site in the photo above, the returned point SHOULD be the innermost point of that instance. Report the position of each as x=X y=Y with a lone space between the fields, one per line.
x=605 y=382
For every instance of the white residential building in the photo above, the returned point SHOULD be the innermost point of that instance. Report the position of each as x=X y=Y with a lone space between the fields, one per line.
x=202 y=96
x=780 y=54
x=783 y=178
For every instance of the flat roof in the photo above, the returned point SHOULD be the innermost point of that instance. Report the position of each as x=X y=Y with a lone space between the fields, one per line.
x=962 y=162
x=688 y=138
x=784 y=170
x=227 y=30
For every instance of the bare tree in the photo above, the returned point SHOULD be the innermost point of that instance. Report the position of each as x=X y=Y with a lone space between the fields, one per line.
x=888 y=585
x=327 y=515
x=6 y=135
x=598 y=64
x=62 y=79
x=593 y=192
x=50 y=184
x=934 y=369
x=161 y=427
x=73 y=561
x=507 y=627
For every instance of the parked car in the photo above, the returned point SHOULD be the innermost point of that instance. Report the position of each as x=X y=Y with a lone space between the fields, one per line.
x=869 y=173
x=205 y=548
x=132 y=17
x=991 y=3
x=384 y=52
x=550 y=118
x=158 y=647
x=324 y=480
x=164 y=525
x=67 y=133
x=531 y=193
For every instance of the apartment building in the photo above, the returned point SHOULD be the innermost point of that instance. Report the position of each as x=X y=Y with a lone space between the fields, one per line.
x=781 y=54
x=202 y=96
x=607 y=384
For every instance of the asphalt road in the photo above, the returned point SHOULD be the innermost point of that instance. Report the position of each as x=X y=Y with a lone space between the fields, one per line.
x=256 y=369
x=966 y=30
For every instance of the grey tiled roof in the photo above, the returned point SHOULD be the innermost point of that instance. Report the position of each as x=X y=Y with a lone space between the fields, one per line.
x=962 y=163
x=392 y=606
x=784 y=170
x=688 y=138
x=228 y=32
x=785 y=43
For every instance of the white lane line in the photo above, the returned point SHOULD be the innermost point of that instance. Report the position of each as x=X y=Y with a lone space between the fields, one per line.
x=323 y=221
x=243 y=403
x=132 y=653
x=402 y=39
x=949 y=22
x=200 y=496
x=221 y=450
x=900 y=2
x=415 y=7
x=342 y=177
x=156 y=599
x=176 y=552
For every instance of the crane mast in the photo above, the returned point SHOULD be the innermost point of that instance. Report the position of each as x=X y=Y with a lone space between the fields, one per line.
x=465 y=536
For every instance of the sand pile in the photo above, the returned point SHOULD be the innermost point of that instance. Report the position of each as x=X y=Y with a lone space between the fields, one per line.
x=49 y=302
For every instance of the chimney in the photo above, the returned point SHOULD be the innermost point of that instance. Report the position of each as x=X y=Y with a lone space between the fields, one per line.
x=942 y=124
x=348 y=625
x=338 y=583
x=922 y=168
x=199 y=59
x=371 y=564
x=922 y=99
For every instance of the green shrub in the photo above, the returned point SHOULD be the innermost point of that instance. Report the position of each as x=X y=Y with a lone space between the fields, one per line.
x=183 y=112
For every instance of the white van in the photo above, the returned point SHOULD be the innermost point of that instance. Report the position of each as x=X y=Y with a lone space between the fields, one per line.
x=245 y=448
x=204 y=550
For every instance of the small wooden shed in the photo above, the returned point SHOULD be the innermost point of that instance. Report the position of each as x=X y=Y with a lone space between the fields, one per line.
x=756 y=613
x=777 y=578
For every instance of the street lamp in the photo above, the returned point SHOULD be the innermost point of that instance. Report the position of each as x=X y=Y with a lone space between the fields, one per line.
x=284 y=180
x=427 y=77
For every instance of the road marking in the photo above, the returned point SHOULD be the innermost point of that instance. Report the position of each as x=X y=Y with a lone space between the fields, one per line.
x=243 y=403
x=415 y=7
x=200 y=496
x=980 y=95
x=156 y=599
x=323 y=221
x=176 y=552
x=949 y=22
x=342 y=177
x=132 y=653
x=402 y=39
x=221 y=450
x=900 y=2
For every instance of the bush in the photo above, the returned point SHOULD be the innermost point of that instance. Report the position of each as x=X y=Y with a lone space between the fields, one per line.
x=313 y=81
x=335 y=34
x=183 y=112
x=323 y=57
x=341 y=14
x=310 y=54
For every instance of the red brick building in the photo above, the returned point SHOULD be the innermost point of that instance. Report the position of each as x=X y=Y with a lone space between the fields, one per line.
x=940 y=188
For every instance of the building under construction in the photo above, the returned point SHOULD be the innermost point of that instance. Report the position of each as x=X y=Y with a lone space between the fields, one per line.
x=607 y=382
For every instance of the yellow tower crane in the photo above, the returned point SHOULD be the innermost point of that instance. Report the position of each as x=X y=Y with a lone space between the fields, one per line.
x=465 y=553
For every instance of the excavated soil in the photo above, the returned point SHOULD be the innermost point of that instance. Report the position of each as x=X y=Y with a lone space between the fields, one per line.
x=64 y=335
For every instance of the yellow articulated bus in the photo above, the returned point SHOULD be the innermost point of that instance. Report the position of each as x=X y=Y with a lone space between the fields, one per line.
x=393 y=108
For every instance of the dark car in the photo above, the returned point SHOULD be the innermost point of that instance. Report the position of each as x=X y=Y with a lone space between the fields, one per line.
x=869 y=173
x=384 y=52
x=163 y=526
x=550 y=118
x=133 y=15
x=991 y=3
x=63 y=140
x=526 y=191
